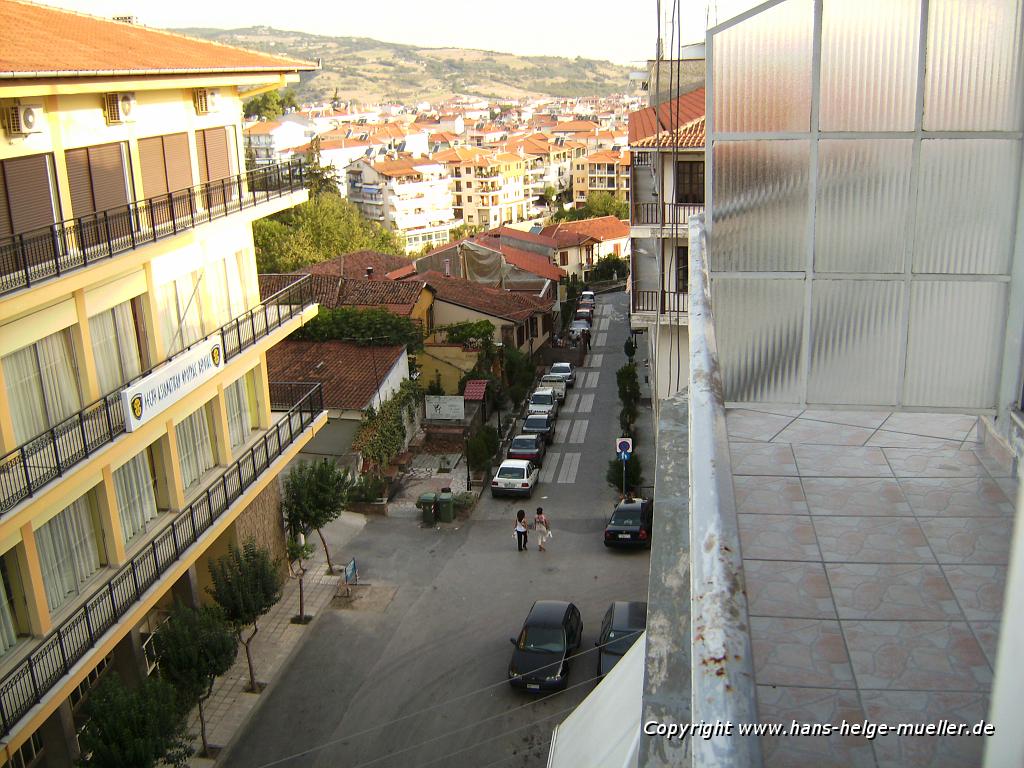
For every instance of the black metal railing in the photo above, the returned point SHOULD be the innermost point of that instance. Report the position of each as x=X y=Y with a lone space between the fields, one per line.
x=26 y=684
x=662 y=302
x=41 y=254
x=49 y=455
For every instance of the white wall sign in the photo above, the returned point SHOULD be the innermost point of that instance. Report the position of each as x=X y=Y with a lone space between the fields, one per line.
x=445 y=407
x=151 y=395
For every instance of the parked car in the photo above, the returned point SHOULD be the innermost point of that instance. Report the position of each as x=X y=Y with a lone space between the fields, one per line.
x=551 y=632
x=556 y=383
x=577 y=327
x=515 y=477
x=586 y=304
x=582 y=313
x=630 y=524
x=527 y=448
x=543 y=400
x=539 y=424
x=622 y=625
x=588 y=295
x=565 y=371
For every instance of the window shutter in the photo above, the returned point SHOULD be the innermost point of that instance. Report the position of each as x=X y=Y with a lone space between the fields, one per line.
x=109 y=180
x=5 y=216
x=30 y=198
x=77 y=162
x=178 y=162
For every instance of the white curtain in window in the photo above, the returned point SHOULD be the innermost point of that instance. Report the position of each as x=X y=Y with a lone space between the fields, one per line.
x=127 y=341
x=236 y=293
x=236 y=398
x=8 y=634
x=24 y=393
x=104 y=349
x=167 y=304
x=195 y=452
x=190 y=310
x=68 y=552
x=217 y=285
x=136 y=497
x=59 y=376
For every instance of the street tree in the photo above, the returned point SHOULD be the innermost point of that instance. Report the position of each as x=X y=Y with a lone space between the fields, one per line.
x=299 y=550
x=315 y=493
x=246 y=585
x=597 y=204
x=194 y=648
x=134 y=728
x=320 y=179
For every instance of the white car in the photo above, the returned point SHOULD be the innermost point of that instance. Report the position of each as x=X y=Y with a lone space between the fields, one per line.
x=544 y=400
x=588 y=296
x=577 y=327
x=515 y=477
x=565 y=372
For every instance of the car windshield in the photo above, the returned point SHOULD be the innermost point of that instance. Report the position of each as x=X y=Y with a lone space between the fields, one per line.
x=541 y=399
x=626 y=516
x=561 y=368
x=579 y=324
x=512 y=472
x=535 y=423
x=548 y=639
x=524 y=443
x=619 y=640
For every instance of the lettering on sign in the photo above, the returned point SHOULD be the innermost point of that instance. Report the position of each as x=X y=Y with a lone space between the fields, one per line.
x=445 y=407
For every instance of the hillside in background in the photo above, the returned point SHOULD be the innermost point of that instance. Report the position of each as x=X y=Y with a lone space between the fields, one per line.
x=366 y=70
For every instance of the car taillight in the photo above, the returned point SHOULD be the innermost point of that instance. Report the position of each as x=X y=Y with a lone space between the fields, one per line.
x=607 y=534
x=494 y=482
x=526 y=485
x=643 y=534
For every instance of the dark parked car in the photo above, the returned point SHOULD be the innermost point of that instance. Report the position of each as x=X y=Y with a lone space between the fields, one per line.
x=622 y=625
x=630 y=524
x=539 y=424
x=528 y=447
x=540 y=662
x=584 y=313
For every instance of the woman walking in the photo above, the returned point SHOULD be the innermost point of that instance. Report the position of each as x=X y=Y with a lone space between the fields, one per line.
x=543 y=526
x=521 y=530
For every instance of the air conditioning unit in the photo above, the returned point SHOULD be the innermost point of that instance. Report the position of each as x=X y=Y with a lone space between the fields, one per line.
x=23 y=119
x=119 y=108
x=205 y=100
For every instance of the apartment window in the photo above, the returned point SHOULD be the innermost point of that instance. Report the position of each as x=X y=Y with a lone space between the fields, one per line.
x=28 y=198
x=98 y=180
x=563 y=258
x=224 y=284
x=469 y=185
x=195 y=447
x=135 y=488
x=690 y=183
x=520 y=335
x=115 y=345
x=180 y=313
x=590 y=254
x=240 y=398
x=533 y=328
x=166 y=165
x=42 y=385
x=69 y=554
x=617 y=249
x=8 y=627
x=469 y=199
x=682 y=262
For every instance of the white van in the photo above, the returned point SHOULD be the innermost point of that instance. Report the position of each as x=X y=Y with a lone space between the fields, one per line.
x=556 y=383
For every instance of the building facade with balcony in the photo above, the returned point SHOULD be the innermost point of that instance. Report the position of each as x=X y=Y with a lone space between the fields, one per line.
x=409 y=196
x=140 y=435
x=489 y=186
x=606 y=170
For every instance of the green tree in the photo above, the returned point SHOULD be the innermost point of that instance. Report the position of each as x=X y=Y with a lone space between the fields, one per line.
x=629 y=348
x=520 y=373
x=315 y=493
x=266 y=106
x=367 y=327
x=288 y=99
x=610 y=268
x=134 y=728
x=320 y=179
x=597 y=204
x=245 y=585
x=634 y=473
x=550 y=194
x=194 y=648
x=298 y=551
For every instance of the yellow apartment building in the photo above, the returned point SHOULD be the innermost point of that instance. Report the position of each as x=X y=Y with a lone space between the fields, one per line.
x=139 y=434
x=489 y=186
x=606 y=170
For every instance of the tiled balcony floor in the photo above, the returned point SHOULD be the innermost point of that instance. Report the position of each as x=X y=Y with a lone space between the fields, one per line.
x=875 y=549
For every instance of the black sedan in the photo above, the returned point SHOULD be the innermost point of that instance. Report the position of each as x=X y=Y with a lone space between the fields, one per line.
x=630 y=524
x=539 y=424
x=540 y=662
x=528 y=447
x=622 y=625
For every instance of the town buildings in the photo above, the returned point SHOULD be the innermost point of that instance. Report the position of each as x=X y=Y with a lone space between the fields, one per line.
x=605 y=170
x=140 y=432
x=489 y=186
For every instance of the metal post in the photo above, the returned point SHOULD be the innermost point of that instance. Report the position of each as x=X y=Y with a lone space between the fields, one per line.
x=465 y=450
x=623 y=477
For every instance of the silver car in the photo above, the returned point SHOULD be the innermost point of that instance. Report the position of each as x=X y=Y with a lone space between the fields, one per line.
x=565 y=372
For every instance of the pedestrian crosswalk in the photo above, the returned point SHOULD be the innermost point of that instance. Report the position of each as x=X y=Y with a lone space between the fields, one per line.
x=579 y=431
x=595 y=361
x=561 y=430
x=570 y=465
x=601 y=339
x=569 y=406
x=592 y=379
x=604 y=323
x=586 y=403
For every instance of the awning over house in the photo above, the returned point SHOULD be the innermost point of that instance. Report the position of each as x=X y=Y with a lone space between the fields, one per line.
x=475 y=389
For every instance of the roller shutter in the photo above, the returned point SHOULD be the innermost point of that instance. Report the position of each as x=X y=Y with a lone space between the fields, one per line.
x=214 y=163
x=5 y=214
x=166 y=168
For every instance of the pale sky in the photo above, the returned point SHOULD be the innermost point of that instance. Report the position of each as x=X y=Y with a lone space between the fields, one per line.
x=623 y=32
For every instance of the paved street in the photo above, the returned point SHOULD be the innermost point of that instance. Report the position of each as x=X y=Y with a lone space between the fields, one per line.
x=417 y=677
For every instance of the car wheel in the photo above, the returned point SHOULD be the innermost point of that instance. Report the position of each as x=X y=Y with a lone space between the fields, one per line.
x=529 y=492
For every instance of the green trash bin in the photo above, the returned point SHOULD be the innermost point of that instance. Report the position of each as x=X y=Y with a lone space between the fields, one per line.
x=426 y=504
x=446 y=507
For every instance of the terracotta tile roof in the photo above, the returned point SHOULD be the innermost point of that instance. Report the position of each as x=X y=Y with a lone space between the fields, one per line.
x=262 y=128
x=575 y=126
x=526 y=237
x=620 y=157
x=688 y=136
x=398 y=274
x=349 y=373
x=481 y=298
x=397 y=297
x=531 y=262
x=600 y=229
x=353 y=265
x=39 y=41
x=672 y=114
x=475 y=389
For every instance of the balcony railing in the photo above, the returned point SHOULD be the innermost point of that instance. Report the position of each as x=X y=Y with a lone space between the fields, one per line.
x=665 y=215
x=662 y=302
x=40 y=254
x=26 y=684
x=32 y=465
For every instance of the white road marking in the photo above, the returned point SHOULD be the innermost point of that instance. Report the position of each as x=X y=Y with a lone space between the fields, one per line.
x=570 y=402
x=547 y=472
x=592 y=379
x=561 y=430
x=569 y=468
x=586 y=403
x=595 y=361
x=603 y=324
x=601 y=340
x=579 y=431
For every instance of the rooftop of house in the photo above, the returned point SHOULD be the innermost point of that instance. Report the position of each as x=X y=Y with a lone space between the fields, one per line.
x=350 y=374
x=262 y=128
x=495 y=302
x=355 y=264
x=600 y=229
x=669 y=115
x=40 y=41
x=617 y=156
x=687 y=136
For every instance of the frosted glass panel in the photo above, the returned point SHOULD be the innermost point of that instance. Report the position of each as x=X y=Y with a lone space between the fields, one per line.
x=855 y=342
x=759 y=326
x=863 y=205
x=762 y=71
x=966 y=206
x=955 y=343
x=973 y=77
x=869 y=54
x=760 y=191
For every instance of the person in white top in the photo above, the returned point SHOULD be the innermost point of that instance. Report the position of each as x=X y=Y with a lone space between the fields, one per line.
x=543 y=527
x=521 y=530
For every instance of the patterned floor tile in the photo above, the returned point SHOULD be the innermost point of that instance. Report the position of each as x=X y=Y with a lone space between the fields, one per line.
x=895 y=751
x=799 y=652
x=754 y=425
x=874 y=591
x=916 y=655
x=885 y=439
x=869 y=419
x=978 y=540
x=1008 y=485
x=787 y=588
x=762 y=459
x=953 y=426
x=811 y=432
x=837 y=461
x=979 y=589
x=855 y=496
x=987 y=633
x=934 y=462
x=764 y=495
x=779 y=704
x=995 y=460
x=777 y=537
x=872 y=540
x=956 y=497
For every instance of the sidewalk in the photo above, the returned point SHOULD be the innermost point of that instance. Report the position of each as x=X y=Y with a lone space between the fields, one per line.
x=230 y=705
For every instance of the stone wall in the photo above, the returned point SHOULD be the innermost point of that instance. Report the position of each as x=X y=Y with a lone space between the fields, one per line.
x=262 y=522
